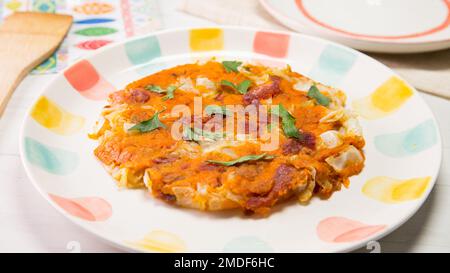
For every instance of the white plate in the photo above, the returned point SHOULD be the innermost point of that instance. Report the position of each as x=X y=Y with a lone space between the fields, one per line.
x=403 y=143
x=394 y=26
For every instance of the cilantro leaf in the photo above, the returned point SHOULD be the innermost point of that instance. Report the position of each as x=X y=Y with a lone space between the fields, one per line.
x=320 y=98
x=169 y=91
x=287 y=122
x=155 y=88
x=216 y=109
x=241 y=87
x=231 y=66
x=149 y=125
x=228 y=83
x=196 y=133
x=242 y=159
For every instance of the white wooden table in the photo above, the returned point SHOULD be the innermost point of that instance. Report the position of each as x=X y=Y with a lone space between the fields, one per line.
x=29 y=224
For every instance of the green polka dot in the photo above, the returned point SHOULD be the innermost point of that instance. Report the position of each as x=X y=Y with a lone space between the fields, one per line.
x=53 y=160
x=143 y=50
x=333 y=64
x=408 y=142
x=247 y=244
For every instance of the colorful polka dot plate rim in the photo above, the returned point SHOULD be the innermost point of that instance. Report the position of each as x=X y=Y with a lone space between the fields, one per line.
x=403 y=149
x=406 y=26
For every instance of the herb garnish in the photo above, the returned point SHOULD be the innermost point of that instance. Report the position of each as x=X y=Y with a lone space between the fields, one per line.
x=216 y=109
x=149 y=125
x=231 y=66
x=320 y=98
x=241 y=88
x=287 y=122
x=169 y=91
x=242 y=159
x=196 y=133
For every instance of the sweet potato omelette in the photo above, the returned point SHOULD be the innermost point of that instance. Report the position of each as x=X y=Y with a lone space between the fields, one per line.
x=222 y=135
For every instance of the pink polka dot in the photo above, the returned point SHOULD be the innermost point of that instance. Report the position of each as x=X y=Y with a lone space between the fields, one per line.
x=84 y=78
x=358 y=234
x=342 y=230
x=271 y=44
x=87 y=208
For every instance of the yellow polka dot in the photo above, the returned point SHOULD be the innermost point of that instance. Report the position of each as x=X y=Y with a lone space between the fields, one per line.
x=391 y=95
x=206 y=39
x=387 y=98
x=46 y=113
x=160 y=241
x=54 y=118
x=410 y=189
x=391 y=190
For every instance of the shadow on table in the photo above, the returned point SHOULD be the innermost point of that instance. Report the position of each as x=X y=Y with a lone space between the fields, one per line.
x=434 y=61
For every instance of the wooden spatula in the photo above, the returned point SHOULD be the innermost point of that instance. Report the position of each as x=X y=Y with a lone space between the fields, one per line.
x=26 y=40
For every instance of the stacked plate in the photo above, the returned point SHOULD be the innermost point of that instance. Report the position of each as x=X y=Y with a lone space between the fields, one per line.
x=394 y=26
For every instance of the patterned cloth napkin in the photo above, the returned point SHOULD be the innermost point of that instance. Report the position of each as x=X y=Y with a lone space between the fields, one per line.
x=96 y=23
x=428 y=72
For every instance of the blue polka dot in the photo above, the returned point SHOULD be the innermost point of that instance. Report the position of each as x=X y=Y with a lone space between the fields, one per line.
x=333 y=64
x=143 y=50
x=247 y=244
x=53 y=160
x=408 y=142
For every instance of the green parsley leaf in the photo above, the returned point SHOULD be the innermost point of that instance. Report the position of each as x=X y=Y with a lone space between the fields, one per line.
x=228 y=83
x=241 y=88
x=320 y=98
x=149 y=125
x=155 y=88
x=216 y=109
x=287 y=122
x=196 y=133
x=242 y=159
x=169 y=91
x=231 y=66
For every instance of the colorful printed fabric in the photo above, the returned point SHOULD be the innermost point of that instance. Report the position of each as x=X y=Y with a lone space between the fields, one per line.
x=96 y=24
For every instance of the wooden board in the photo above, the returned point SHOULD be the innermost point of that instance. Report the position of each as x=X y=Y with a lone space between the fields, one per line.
x=26 y=40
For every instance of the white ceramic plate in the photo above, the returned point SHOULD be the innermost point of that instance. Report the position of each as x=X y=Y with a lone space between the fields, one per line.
x=403 y=149
x=394 y=26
